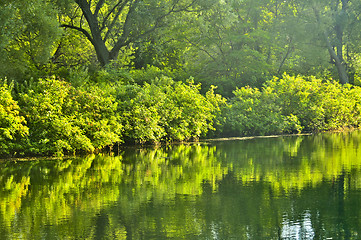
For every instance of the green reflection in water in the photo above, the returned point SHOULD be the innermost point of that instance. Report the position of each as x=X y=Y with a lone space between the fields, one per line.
x=280 y=188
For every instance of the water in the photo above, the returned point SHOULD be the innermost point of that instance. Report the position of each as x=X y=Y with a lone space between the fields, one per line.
x=305 y=187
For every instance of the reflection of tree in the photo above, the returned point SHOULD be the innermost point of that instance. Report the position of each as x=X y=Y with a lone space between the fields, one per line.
x=70 y=190
x=294 y=163
x=55 y=191
x=223 y=190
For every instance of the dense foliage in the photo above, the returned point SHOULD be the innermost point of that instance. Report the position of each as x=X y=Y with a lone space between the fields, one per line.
x=89 y=75
x=12 y=125
x=61 y=118
x=293 y=105
x=54 y=117
x=167 y=110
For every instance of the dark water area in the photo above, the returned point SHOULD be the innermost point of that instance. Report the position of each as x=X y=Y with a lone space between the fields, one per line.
x=300 y=187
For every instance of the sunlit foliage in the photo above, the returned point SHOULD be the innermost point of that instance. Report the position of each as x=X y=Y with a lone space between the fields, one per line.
x=291 y=105
x=63 y=118
x=167 y=110
x=12 y=124
x=28 y=33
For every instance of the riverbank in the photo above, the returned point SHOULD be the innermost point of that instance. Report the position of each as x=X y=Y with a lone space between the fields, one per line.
x=56 y=118
x=253 y=137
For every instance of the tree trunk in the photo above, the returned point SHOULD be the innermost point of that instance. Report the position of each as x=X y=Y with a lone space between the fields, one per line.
x=336 y=56
x=96 y=37
x=341 y=69
x=101 y=51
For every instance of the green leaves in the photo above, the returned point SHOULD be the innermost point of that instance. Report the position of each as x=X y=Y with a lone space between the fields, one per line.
x=257 y=113
x=63 y=118
x=292 y=105
x=12 y=125
x=165 y=110
x=29 y=30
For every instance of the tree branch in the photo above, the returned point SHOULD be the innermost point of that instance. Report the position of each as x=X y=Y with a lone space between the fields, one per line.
x=111 y=11
x=114 y=20
x=126 y=30
x=82 y=30
x=123 y=40
x=98 y=7
x=200 y=48
x=289 y=50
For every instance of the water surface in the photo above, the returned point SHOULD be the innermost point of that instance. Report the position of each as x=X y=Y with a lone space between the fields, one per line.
x=305 y=187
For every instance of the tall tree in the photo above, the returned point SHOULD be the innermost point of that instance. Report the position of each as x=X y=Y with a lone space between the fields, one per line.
x=333 y=24
x=28 y=32
x=333 y=34
x=113 y=24
x=235 y=43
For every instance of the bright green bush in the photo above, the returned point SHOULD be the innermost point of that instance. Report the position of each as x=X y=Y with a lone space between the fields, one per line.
x=187 y=114
x=139 y=108
x=166 y=110
x=95 y=112
x=255 y=112
x=341 y=105
x=56 y=117
x=292 y=105
x=319 y=105
x=300 y=97
x=12 y=125
x=50 y=130
x=63 y=118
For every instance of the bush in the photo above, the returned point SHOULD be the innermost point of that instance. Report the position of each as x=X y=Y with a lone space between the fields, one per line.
x=12 y=125
x=63 y=118
x=292 y=105
x=95 y=112
x=56 y=117
x=342 y=106
x=300 y=97
x=319 y=105
x=255 y=112
x=165 y=110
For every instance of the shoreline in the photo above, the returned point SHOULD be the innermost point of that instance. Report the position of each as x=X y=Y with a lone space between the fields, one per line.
x=253 y=137
x=200 y=141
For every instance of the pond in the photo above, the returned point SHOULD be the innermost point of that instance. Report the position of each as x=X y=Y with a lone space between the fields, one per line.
x=295 y=187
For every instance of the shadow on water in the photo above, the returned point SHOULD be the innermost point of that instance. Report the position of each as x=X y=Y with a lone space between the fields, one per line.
x=304 y=187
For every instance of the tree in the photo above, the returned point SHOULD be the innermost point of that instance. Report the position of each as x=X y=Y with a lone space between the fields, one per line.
x=238 y=43
x=335 y=46
x=28 y=32
x=111 y=25
x=332 y=25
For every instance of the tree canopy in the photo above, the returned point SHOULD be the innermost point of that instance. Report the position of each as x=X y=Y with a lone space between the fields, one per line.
x=226 y=43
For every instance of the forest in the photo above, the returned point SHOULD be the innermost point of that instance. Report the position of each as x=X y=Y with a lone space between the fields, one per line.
x=85 y=76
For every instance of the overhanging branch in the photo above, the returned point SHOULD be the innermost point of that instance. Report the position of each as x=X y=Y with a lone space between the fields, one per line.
x=82 y=30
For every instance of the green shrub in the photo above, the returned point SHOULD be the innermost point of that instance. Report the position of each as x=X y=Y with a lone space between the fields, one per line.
x=342 y=106
x=300 y=97
x=319 y=105
x=139 y=114
x=187 y=114
x=95 y=112
x=63 y=118
x=292 y=105
x=255 y=112
x=12 y=126
x=56 y=117
x=166 y=110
